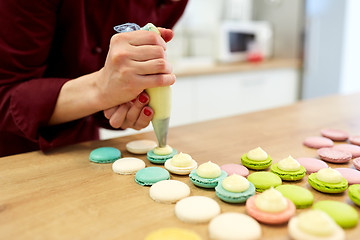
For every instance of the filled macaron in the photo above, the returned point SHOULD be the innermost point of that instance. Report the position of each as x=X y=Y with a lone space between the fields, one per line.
x=314 y=225
x=288 y=169
x=159 y=155
x=328 y=180
x=207 y=175
x=235 y=189
x=270 y=207
x=256 y=159
x=181 y=164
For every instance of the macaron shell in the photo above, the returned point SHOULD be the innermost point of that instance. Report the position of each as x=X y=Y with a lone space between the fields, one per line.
x=343 y=214
x=173 y=234
x=255 y=165
x=206 y=182
x=353 y=149
x=297 y=234
x=233 y=197
x=264 y=180
x=335 y=134
x=151 y=175
x=351 y=175
x=232 y=225
x=179 y=170
x=318 y=142
x=356 y=163
x=301 y=197
x=197 y=209
x=169 y=191
x=232 y=168
x=128 y=165
x=140 y=146
x=160 y=159
x=355 y=140
x=354 y=193
x=268 y=217
x=104 y=155
x=312 y=164
x=334 y=155
x=327 y=187
x=288 y=175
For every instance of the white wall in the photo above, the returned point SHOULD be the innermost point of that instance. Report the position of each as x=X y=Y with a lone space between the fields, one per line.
x=332 y=50
x=350 y=75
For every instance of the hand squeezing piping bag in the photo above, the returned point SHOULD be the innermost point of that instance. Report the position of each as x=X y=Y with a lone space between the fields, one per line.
x=160 y=97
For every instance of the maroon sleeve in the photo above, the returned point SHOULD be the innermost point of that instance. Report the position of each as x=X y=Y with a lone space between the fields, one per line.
x=27 y=99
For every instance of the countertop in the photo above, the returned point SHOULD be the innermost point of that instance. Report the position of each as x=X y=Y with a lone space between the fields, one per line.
x=62 y=195
x=218 y=68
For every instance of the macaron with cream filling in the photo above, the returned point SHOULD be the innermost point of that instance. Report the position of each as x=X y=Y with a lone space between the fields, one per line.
x=181 y=164
x=256 y=159
x=159 y=155
x=328 y=180
x=288 y=169
x=270 y=207
x=314 y=225
x=207 y=175
x=235 y=189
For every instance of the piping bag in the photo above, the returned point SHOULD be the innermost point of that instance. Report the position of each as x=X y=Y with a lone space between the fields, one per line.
x=160 y=97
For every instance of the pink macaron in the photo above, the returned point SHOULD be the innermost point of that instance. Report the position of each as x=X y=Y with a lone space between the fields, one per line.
x=312 y=164
x=334 y=134
x=232 y=168
x=318 y=142
x=268 y=217
x=333 y=155
x=356 y=163
x=350 y=174
x=353 y=149
x=354 y=140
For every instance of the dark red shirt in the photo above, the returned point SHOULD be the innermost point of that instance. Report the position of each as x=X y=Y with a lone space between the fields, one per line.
x=43 y=44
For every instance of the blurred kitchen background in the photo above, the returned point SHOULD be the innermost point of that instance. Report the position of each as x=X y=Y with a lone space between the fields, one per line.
x=238 y=56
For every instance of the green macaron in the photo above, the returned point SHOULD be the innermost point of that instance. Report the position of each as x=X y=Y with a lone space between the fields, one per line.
x=264 y=180
x=151 y=175
x=288 y=175
x=343 y=214
x=206 y=182
x=105 y=155
x=301 y=197
x=354 y=193
x=234 y=197
x=325 y=187
x=160 y=159
x=255 y=164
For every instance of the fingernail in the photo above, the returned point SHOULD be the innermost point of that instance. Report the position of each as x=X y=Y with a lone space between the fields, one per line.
x=147 y=112
x=143 y=98
x=133 y=100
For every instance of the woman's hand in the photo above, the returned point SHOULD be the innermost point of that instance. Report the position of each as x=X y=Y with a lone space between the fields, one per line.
x=136 y=61
x=135 y=114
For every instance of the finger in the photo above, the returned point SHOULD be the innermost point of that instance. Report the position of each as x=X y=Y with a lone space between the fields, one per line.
x=155 y=80
x=144 y=118
x=155 y=66
x=133 y=114
x=143 y=37
x=109 y=112
x=146 y=52
x=166 y=34
x=119 y=115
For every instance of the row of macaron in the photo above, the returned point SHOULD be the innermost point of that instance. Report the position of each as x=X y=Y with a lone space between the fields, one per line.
x=208 y=168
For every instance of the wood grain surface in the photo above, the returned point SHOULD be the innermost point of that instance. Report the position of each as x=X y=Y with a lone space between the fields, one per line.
x=62 y=195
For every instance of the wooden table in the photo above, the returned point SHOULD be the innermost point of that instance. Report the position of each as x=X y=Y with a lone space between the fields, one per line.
x=61 y=195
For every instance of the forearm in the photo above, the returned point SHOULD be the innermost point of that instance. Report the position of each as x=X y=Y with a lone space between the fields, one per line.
x=77 y=98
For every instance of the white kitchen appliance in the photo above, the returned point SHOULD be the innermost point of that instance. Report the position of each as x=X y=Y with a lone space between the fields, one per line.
x=237 y=39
